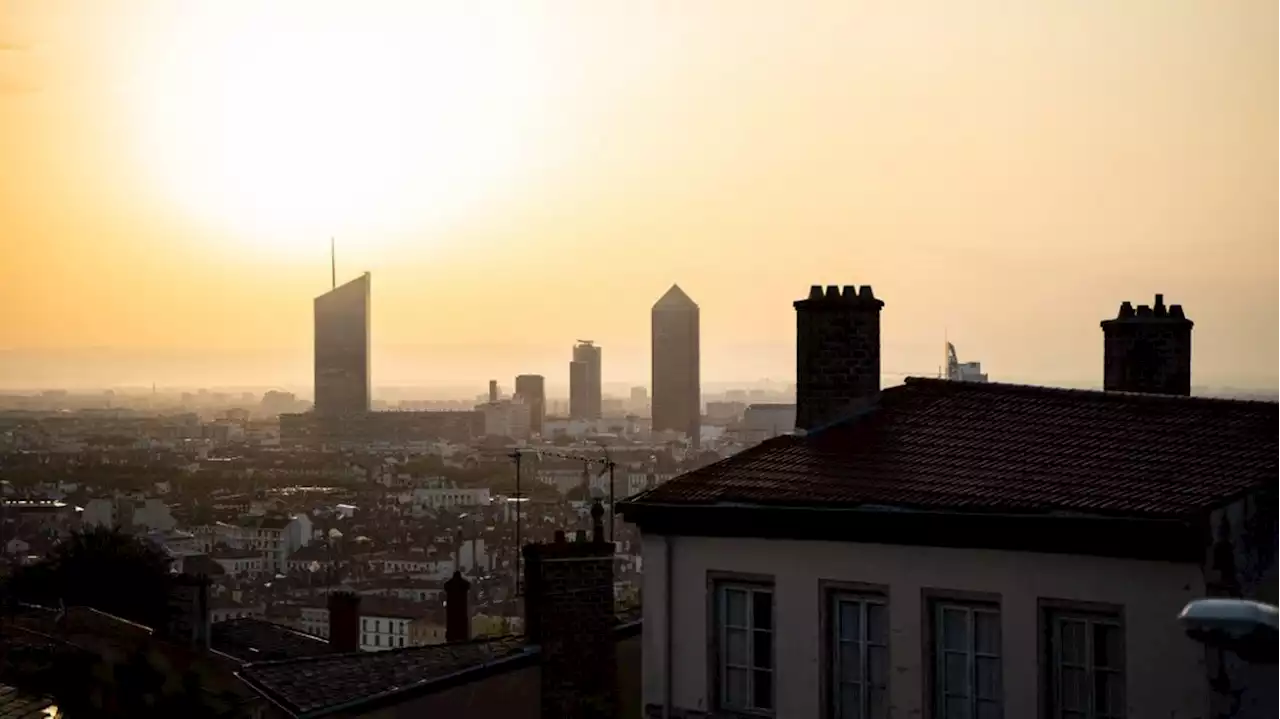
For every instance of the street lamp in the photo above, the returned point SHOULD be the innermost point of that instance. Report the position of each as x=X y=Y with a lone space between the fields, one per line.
x=1248 y=628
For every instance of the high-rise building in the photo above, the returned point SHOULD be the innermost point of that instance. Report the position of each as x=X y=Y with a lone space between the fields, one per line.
x=584 y=381
x=342 y=383
x=676 y=382
x=532 y=390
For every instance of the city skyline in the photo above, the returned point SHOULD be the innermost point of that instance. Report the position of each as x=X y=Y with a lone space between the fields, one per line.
x=1123 y=146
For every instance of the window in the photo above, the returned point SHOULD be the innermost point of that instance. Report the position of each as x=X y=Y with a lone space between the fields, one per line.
x=1086 y=668
x=966 y=656
x=364 y=638
x=858 y=659
x=377 y=640
x=745 y=638
x=402 y=641
x=364 y=624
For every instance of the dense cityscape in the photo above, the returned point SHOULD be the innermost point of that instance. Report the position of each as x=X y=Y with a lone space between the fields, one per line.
x=413 y=360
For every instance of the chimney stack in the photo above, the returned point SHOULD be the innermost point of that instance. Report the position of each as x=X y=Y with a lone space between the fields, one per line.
x=1147 y=349
x=569 y=614
x=344 y=621
x=457 y=610
x=837 y=352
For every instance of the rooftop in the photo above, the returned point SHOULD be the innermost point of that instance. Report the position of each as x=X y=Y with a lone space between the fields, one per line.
x=317 y=685
x=15 y=704
x=965 y=447
x=254 y=640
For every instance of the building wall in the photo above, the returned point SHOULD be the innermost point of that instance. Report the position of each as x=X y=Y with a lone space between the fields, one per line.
x=1165 y=670
x=1242 y=563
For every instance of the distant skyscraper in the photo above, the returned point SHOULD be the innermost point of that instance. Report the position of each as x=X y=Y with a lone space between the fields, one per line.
x=342 y=349
x=531 y=389
x=677 y=390
x=584 y=381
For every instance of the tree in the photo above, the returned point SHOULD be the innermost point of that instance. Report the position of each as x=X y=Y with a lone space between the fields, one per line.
x=103 y=568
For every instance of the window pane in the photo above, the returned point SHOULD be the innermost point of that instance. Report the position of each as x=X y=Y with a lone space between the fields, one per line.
x=1106 y=646
x=762 y=650
x=987 y=673
x=989 y=710
x=1074 y=689
x=735 y=611
x=763 y=686
x=762 y=609
x=1071 y=638
x=878 y=665
x=956 y=674
x=736 y=646
x=988 y=631
x=955 y=629
x=736 y=692
x=850 y=661
x=1108 y=694
x=878 y=702
x=877 y=624
x=850 y=701
x=851 y=621
x=956 y=709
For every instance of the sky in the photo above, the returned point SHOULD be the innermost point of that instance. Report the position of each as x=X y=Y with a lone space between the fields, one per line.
x=519 y=175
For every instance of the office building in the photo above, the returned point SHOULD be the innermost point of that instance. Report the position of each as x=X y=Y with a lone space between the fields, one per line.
x=342 y=382
x=584 y=381
x=532 y=390
x=677 y=390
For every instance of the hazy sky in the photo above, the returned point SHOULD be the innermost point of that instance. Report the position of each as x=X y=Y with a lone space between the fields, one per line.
x=524 y=174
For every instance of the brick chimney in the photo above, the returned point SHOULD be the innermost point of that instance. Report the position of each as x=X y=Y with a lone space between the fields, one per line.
x=837 y=352
x=1147 y=350
x=344 y=621
x=569 y=614
x=457 y=610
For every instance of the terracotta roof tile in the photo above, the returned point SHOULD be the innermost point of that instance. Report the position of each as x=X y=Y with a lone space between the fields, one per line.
x=251 y=640
x=935 y=444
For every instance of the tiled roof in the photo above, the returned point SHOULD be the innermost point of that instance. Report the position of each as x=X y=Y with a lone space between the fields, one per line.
x=960 y=446
x=311 y=686
x=15 y=704
x=254 y=640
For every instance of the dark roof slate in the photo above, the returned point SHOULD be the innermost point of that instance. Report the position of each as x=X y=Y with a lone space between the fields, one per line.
x=961 y=446
x=16 y=704
x=313 y=686
x=255 y=640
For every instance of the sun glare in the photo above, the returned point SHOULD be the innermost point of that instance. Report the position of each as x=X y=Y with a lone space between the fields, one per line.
x=286 y=129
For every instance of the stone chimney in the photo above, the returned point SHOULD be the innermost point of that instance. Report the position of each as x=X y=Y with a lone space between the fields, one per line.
x=344 y=621
x=1147 y=350
x=837 y=352
x=569 y=614
x=189 y=611
x=457 y=609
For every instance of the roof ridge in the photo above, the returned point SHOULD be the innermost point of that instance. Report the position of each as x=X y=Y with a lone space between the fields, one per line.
x=1014 y=387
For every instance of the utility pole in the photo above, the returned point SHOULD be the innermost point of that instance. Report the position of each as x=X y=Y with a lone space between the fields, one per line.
x=519 y=550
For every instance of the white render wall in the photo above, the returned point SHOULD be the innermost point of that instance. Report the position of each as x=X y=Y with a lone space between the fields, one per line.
x=1165 y=674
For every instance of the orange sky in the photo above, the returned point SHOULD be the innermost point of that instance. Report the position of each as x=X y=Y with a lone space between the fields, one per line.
x=520 y=175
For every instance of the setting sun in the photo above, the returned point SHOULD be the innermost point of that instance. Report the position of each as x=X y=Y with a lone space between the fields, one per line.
x=288 y=128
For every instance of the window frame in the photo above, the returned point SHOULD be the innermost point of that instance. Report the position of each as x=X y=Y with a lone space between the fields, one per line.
x=717 y=581
x=1049 y=609
x=829 y=593
x=931 y=605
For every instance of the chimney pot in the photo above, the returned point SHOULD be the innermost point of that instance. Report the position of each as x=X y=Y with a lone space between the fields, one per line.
x=457 y=617
x=850 y=292
x=815 y=292
x=1148 y=350
x=580 y=536
x=837 y=355
x=597 y=521
x=559 y=537
x=344 y=621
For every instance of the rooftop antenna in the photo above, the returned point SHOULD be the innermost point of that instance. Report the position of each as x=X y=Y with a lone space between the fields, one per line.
x=333 y=264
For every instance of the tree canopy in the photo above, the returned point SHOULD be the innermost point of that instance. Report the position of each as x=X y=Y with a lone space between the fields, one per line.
x=106 y=569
